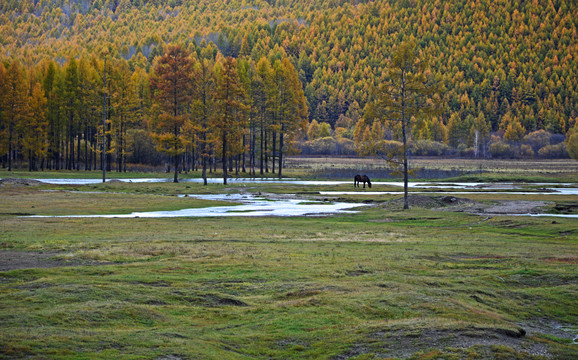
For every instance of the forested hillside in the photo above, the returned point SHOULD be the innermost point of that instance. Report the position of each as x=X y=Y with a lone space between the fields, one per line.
x=508 y=68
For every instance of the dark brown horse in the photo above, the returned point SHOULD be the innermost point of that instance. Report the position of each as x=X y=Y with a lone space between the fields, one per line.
x=361 y=179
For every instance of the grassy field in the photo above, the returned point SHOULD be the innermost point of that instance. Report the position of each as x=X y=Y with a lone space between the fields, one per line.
x=382 y=283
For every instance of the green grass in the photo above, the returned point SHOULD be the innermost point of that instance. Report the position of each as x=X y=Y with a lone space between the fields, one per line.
x=374 y=284
x=91 y=200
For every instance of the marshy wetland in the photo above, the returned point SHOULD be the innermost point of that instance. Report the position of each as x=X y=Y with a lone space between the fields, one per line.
x=458 y=276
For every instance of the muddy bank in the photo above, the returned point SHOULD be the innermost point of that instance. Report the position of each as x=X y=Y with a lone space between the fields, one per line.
x=19 y=182
x=452 y=203
x=460 y=204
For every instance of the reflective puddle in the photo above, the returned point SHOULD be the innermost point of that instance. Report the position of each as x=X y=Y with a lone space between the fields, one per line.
x=250 y=206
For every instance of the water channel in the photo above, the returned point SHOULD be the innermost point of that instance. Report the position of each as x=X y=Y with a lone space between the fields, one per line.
x=249 y=205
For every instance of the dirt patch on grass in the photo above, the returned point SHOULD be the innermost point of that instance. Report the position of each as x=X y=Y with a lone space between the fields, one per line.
x=541 y=327
x=16 y=260
x=405 y=344
x=19 y=182
x=459 y=204
x=563 y=259
x=359 y=271
x=452 y=203
x=420 y=201
x=515 y=207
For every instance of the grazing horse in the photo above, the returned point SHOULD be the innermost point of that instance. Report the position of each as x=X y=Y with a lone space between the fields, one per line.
x=361 y=179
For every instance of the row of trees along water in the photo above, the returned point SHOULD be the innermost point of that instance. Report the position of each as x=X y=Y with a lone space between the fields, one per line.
x=507 y=68
x=197 y=108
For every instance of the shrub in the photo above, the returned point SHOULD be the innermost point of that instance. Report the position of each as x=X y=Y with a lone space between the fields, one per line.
x=345 y=146
x=428 y=148
x=499 y=149
x=527 y=151
x=537 y=139
x=572 y=145
x=557 y=151
x=390 y=147
x=322 y=146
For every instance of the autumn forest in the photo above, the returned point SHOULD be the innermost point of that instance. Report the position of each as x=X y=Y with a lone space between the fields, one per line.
x=239 y=84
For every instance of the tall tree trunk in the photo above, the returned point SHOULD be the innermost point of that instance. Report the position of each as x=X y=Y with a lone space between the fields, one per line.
x=176 y=177
x=266 y=151
x=108 y=155
x=224 y=158
x=120 y=148
x=193 y=158
x=203 y=154
x=281 y=151
x=87 y=157
x=58 y=152
x=78 y=138
x=71 y=145
x=66 y=153
x=237 y=164
x=252 y=155
x=10 y=137
x=124 y=148
x=404 y=133
x=262 y=151
x=273 y=152
x=204 y=171
x=243 y=156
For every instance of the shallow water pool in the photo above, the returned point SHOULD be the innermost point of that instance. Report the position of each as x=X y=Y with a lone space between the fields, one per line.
x=250 y=206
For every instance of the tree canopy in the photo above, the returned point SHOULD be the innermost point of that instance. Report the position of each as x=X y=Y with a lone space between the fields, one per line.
x=508 y=68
